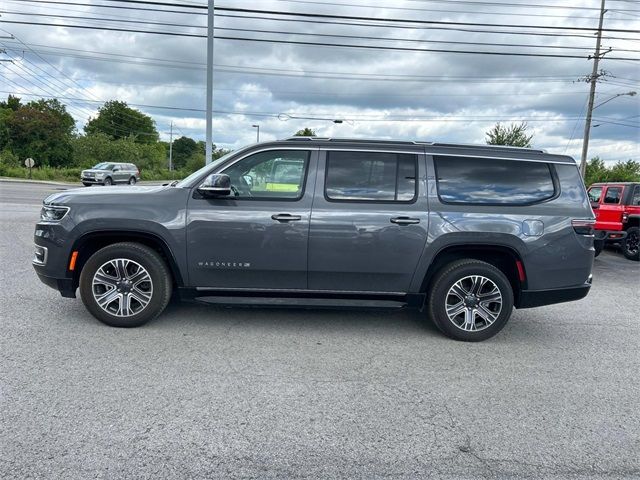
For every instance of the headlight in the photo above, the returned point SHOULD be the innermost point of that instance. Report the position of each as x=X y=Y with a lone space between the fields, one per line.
x=53 y=213
x=98 y=175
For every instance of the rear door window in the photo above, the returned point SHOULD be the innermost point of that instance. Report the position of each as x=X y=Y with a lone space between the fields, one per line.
x=594 y=194
x=371 y=176
x=613 y=195
x=487 y=181
x=635 y=199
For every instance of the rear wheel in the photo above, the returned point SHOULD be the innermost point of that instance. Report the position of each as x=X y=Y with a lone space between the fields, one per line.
x=107 y=181
x=631 y=244
x=125 y=285
x=132 y=181
x=470 y=300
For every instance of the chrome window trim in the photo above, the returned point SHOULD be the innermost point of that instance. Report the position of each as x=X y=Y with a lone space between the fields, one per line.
x=198 y=180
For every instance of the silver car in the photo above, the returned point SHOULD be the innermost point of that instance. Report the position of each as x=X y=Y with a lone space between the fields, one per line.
x=110 y=173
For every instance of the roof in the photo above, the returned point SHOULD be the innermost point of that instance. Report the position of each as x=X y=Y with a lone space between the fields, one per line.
x=615 y=183
x=433 y=148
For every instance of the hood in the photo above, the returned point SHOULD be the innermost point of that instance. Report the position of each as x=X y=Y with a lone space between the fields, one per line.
x=120 y=195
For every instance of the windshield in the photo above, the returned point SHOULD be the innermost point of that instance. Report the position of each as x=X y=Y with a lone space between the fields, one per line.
x=186 y=181
x=103 y=166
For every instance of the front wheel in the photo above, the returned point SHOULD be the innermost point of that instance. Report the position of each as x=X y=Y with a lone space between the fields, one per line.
x=125 y=285
x=470 y=300
x=631 y=244
x=598 y=246
x=107 y=181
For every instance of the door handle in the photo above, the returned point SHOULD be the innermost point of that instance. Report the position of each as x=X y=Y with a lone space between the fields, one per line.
x=405 y=220
x=286 y=217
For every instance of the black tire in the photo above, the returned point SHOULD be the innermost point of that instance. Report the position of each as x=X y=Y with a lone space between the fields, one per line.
x=439 y=294
x=631 y=244
x=86 y=184
x=107 y=181
x=598 y=246
x=132 y=181
x=160 y=282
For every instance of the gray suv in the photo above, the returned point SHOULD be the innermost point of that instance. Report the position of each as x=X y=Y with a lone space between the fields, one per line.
x=110 y=173
x=463 y=233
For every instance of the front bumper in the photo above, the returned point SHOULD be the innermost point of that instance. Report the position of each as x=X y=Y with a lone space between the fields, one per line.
x=63 y=285
x=91 y=180
x=538 y=298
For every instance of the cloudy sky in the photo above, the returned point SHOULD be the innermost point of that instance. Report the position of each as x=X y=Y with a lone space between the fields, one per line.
x=381 y=93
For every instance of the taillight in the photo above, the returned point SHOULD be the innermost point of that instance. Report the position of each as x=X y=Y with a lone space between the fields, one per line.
x=625 y=217
x=583 y=226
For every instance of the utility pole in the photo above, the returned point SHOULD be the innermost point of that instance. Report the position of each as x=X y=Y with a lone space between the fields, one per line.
x=257 y=133
x=171 y=146
x=592 y=92
x=209 y=128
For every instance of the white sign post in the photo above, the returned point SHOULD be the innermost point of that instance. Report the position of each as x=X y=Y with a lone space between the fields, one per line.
x=29 y=163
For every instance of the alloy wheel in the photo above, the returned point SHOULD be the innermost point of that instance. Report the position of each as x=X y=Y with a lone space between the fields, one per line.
x=122 y=287
x=473 y=303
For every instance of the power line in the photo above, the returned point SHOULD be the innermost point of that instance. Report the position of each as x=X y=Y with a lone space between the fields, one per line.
x=279 y=32
x=319 y=44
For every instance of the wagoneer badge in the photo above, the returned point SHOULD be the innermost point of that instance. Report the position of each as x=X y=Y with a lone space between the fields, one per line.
x=217 y=264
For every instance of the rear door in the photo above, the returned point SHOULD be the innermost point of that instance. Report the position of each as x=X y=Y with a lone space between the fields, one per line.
x=368 y=222
x=610 y=211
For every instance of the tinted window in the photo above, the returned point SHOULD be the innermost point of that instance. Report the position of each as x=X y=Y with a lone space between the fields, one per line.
x=594 y=194
x=613 y=195
x=635 y=199
x=489 y=181
x=275 y=174
x=371 y=176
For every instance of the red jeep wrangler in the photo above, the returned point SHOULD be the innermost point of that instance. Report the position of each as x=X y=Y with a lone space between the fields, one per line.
x=617 y=209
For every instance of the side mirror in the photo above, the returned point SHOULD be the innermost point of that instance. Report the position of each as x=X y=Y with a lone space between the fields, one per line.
x=116 y=169
x=216 y=185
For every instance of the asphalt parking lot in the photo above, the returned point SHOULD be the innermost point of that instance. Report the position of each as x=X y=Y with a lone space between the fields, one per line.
x=209 y=392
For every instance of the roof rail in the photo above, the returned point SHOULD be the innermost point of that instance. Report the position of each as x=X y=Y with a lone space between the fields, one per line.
x=413 y=142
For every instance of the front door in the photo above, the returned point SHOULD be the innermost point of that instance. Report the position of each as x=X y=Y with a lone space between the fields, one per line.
x=609 y=215
x=257 y=238
x=368 y=222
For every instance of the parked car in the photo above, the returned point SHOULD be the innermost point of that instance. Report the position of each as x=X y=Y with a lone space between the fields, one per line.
x=464 y=233
x=110 y=173
x=617 y=209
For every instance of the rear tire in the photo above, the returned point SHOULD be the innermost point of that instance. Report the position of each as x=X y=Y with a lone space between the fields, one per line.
x=470 y=300
x=107 y=181
x=631 y=244
x=125 y=285
x=132 y=181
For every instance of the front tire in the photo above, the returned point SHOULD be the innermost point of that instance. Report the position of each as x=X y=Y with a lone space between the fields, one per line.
x=107 y=181
x=470 y=300
x=598 y=246
x=631 y=244
x=86 y=184
x=125 y=285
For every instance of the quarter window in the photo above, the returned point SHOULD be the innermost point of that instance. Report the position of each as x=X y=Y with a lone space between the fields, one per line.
x=613 y=195
x=487 y=181
x=275 y=174
x=371 y=176
x=594 y=194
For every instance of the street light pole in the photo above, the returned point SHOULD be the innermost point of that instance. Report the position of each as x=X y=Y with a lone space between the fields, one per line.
x=209 y=116
x=592 y=92
x=257 y=133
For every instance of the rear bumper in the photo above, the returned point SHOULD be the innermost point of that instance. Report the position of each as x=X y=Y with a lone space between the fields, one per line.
x=538 y=298
x=609 y=235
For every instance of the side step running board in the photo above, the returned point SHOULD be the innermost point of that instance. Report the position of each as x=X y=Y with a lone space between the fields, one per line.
x=301 y=302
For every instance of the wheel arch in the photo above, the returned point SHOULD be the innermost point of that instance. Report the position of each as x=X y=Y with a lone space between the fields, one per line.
x=503 y=257
x=90 y=242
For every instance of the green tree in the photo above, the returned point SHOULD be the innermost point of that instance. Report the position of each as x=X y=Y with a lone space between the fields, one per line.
x=305 y=132
x=118 y=120
x=183 y=149
x=514 y=135
x=42 y=130
x=597 y=171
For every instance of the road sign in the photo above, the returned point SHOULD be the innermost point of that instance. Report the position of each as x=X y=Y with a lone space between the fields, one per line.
x=29 y=163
